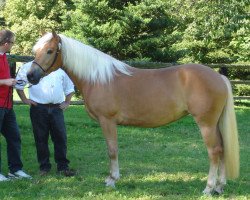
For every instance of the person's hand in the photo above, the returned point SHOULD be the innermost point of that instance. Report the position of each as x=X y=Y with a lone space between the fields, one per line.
x=10 y=82
x=29 y=102
x=64 y=105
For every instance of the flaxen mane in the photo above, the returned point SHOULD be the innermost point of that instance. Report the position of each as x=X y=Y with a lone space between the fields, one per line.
x=93 y=64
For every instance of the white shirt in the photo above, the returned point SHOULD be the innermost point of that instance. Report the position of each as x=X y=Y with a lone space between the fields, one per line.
x=51 y=89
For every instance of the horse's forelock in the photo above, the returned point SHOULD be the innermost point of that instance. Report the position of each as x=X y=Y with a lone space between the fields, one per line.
x=42 y=41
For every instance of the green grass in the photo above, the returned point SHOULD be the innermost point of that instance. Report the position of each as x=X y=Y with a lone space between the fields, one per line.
x=169 y=162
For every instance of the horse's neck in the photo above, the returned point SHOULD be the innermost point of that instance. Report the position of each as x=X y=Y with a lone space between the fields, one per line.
x=79 y=83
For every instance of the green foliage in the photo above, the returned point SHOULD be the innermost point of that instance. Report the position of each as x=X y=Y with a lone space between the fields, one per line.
x=152 y=30
x=213 y=27
x=240 y=44
x=242 y=90
x=30 y=19
x=239 y=73
x=131 y=30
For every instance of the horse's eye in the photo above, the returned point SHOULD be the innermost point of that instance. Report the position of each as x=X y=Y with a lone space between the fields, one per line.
x=49 y=51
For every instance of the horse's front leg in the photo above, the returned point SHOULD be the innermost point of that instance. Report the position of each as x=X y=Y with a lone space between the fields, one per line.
x=110 y=132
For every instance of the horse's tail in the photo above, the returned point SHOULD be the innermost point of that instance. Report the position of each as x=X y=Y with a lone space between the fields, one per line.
x=229 y=132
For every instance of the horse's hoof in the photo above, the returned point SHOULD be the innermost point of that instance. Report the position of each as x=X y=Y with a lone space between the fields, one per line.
x=218 y=190
x=110 y=182
x=208 y=191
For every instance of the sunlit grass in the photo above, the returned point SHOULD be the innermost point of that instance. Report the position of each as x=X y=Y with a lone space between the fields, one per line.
x=168 y=162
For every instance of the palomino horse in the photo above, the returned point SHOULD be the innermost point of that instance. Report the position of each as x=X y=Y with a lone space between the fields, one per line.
x=116 y=93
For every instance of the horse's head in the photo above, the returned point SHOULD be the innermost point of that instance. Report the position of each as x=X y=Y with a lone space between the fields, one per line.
x=47 y=57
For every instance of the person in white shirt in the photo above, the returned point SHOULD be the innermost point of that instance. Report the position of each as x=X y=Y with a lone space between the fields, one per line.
x=47 y=101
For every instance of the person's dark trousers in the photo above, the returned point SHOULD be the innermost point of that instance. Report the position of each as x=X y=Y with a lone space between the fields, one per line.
x=10 y=130
x=49 y=120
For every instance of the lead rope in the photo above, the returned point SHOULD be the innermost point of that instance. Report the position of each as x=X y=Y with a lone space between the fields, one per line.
x=22 y=82
x=10 y=91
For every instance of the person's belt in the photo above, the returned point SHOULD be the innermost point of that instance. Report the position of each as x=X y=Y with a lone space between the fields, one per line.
x=51 y=105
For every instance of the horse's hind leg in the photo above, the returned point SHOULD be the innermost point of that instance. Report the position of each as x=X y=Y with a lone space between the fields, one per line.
x=222 y=177
x=212 y=139
x=110 y=132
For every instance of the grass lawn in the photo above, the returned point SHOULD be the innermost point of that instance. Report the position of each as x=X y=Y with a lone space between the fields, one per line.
x=168 y=162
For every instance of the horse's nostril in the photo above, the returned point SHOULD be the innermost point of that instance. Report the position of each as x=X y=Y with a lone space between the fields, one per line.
x=33 y=78
x=30 y=77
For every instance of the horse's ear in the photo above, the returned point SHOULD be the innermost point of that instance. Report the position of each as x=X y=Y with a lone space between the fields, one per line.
x=54 y=33
x=42 y=32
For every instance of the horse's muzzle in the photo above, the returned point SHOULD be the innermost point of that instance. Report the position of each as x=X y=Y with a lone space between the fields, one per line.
x=34 y=76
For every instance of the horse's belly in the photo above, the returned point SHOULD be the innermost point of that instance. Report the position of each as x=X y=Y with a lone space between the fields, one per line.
x=152 y=118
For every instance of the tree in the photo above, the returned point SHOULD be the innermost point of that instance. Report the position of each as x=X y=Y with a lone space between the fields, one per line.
x=125 y=29
x=30 y=18
x=2 y=22
x=214 y=29
x=204 y=31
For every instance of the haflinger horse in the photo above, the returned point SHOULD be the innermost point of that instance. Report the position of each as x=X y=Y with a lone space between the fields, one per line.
x=118 y=94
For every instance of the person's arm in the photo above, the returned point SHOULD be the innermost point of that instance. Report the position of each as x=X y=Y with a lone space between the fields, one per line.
x=66 y=103
x=68 y=89
x=24 y=99
x=8 y=82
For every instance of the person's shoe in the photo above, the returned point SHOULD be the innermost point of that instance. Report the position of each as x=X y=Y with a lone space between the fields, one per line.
x=19 y=174
x=3 y=178
x=67 y=172
x=44 y=172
